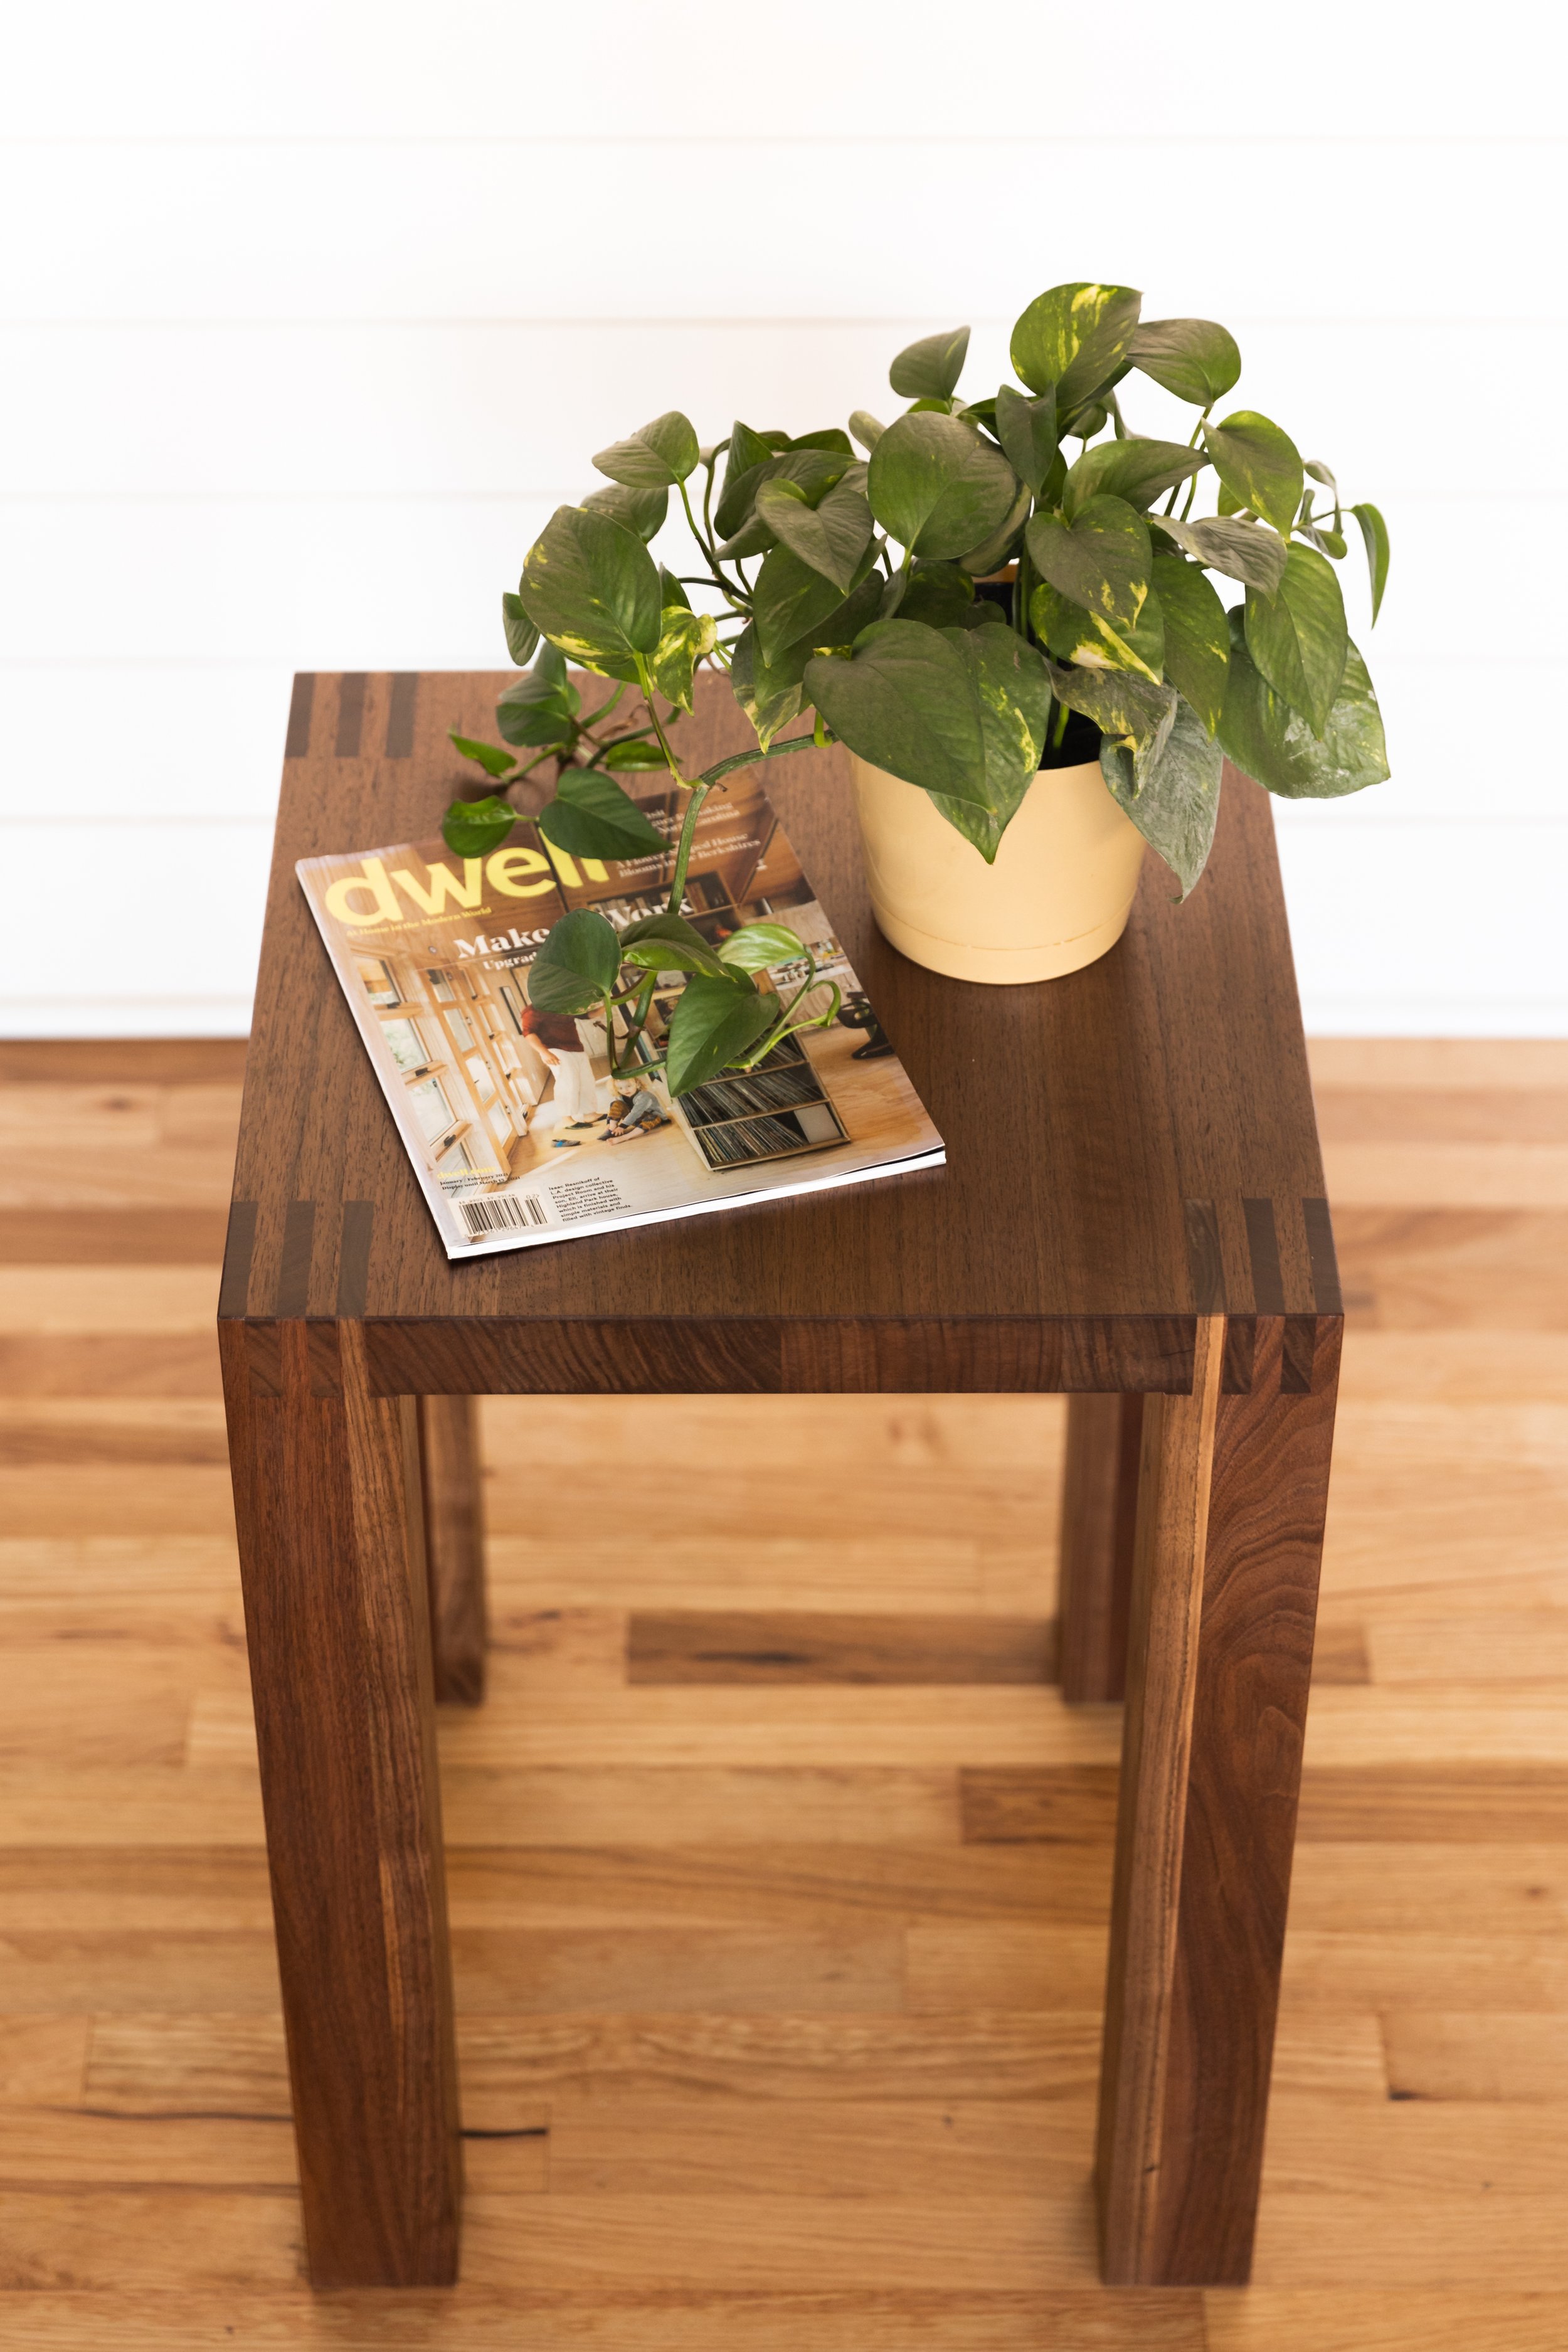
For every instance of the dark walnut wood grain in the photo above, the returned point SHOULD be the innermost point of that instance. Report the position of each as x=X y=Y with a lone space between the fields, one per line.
x=1132 y=1212
x=327 y=1502
x=454 y=1547
x=1099 y=1516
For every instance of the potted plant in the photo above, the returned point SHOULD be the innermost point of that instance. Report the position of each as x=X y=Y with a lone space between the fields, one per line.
x=1016 y=638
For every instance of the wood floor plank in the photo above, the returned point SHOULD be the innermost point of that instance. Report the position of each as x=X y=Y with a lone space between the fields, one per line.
x=53 y=1062
x=43 y=2058
x=1325 y=2144
x=1480 y=1803
x=1525 y=1175
x=1502 y=1066
x=691 y=1646
x=107 y=2241
x=85 y=1301
x=1340 y=2319
x=1410 y=1115
x=215 y=2150
x=620 y=2319
x=1519 y=1647
x=147 y=1236
x=1423 y=1268
x=1477 y=2055
x=118 y=1364
x=884 y=1727
x=695 y=2148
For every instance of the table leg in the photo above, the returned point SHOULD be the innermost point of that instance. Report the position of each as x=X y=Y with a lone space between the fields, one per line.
x=1100 y=1511
x=1230 y=1525
x=331 y=1553
x=453 y=1545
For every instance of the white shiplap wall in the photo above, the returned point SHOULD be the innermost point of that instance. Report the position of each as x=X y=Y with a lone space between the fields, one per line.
x=310 y=314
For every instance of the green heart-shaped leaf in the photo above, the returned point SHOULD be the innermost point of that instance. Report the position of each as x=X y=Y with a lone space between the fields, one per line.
x=592 y=587
x=1076 y=337
x=521 y=637
x=669 y=943
x=1198 y=635
x=758 y=947
x=540 y=708
x=655 y=457
x=1193 y=358
x=1374 y=533
x=1013 y=687
x=1248 y=551
x=473 y=828
x=633 y=755
x=832 y=536
x=1259 y=466
x=1101 y=560
x=592 y=817
x=906 y=703
x=1173 y=797
x=937 y=486
x=789 y=599
x=1274 y=744
x=930 y=369
x=577 y=965
x=715 y=1022
x=1027 y=432
x=642 y=511
x=1298 y=638
x=937 y=593
x=867 y=429
x=1135 y=469
x=488 y=756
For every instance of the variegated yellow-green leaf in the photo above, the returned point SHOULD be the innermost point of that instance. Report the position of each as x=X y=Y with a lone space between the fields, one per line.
x=1172 y=797
x=1248 y=551
x=1013 y=689
x=1198 y=635
x=1193 y=358
x=906 y=703
x=1274 y=744
x=930 y=369
x=685 y=638
x=655 y=456
x=1100 y=559
x=592 y=588
x=1123 y=705
x=831 y=536
x=1298 y=638
x=789 y=599
x=1259 y=466
x=1075 y=337
x=770 y=698
x=1135 y=469
x=1073 y=634
x=937 y=486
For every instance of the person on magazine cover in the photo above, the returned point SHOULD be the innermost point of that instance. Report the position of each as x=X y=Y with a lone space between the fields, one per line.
x=558 y=1039
x=629 y=1110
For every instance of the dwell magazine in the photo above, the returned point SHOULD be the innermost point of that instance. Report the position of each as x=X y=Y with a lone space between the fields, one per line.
x=517 y=1130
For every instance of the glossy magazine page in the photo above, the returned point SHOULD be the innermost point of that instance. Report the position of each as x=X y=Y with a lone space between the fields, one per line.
x=515 y=1124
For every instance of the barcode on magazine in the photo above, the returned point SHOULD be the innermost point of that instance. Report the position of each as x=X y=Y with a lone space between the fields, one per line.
x=495 y=1216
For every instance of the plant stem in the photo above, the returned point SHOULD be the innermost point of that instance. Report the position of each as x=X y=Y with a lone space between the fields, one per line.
x=699 y=790
x=1058 y=727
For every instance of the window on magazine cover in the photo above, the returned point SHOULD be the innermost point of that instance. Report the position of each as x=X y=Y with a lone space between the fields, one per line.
x=441 y=987
x=380 y=981
x=431 y=1108
x=406 y=1044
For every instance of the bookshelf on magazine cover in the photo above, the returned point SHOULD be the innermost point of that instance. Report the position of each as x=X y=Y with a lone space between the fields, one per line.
x=516 y=1127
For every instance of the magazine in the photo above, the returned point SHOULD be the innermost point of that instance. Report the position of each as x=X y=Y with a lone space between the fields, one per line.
x=518 y=1130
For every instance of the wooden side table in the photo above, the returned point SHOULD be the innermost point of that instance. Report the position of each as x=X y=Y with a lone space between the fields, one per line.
x=1132 y=1212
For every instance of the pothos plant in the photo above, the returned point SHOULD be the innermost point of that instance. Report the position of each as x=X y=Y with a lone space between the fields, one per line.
x=971 y=600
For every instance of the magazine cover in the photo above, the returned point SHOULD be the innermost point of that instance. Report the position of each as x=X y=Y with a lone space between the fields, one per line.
x=516 y=1127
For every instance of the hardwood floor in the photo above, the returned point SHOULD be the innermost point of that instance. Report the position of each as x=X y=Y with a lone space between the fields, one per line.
x=779 y=1873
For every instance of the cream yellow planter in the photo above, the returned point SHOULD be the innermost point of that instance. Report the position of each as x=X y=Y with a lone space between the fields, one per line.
x=1057 y=897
